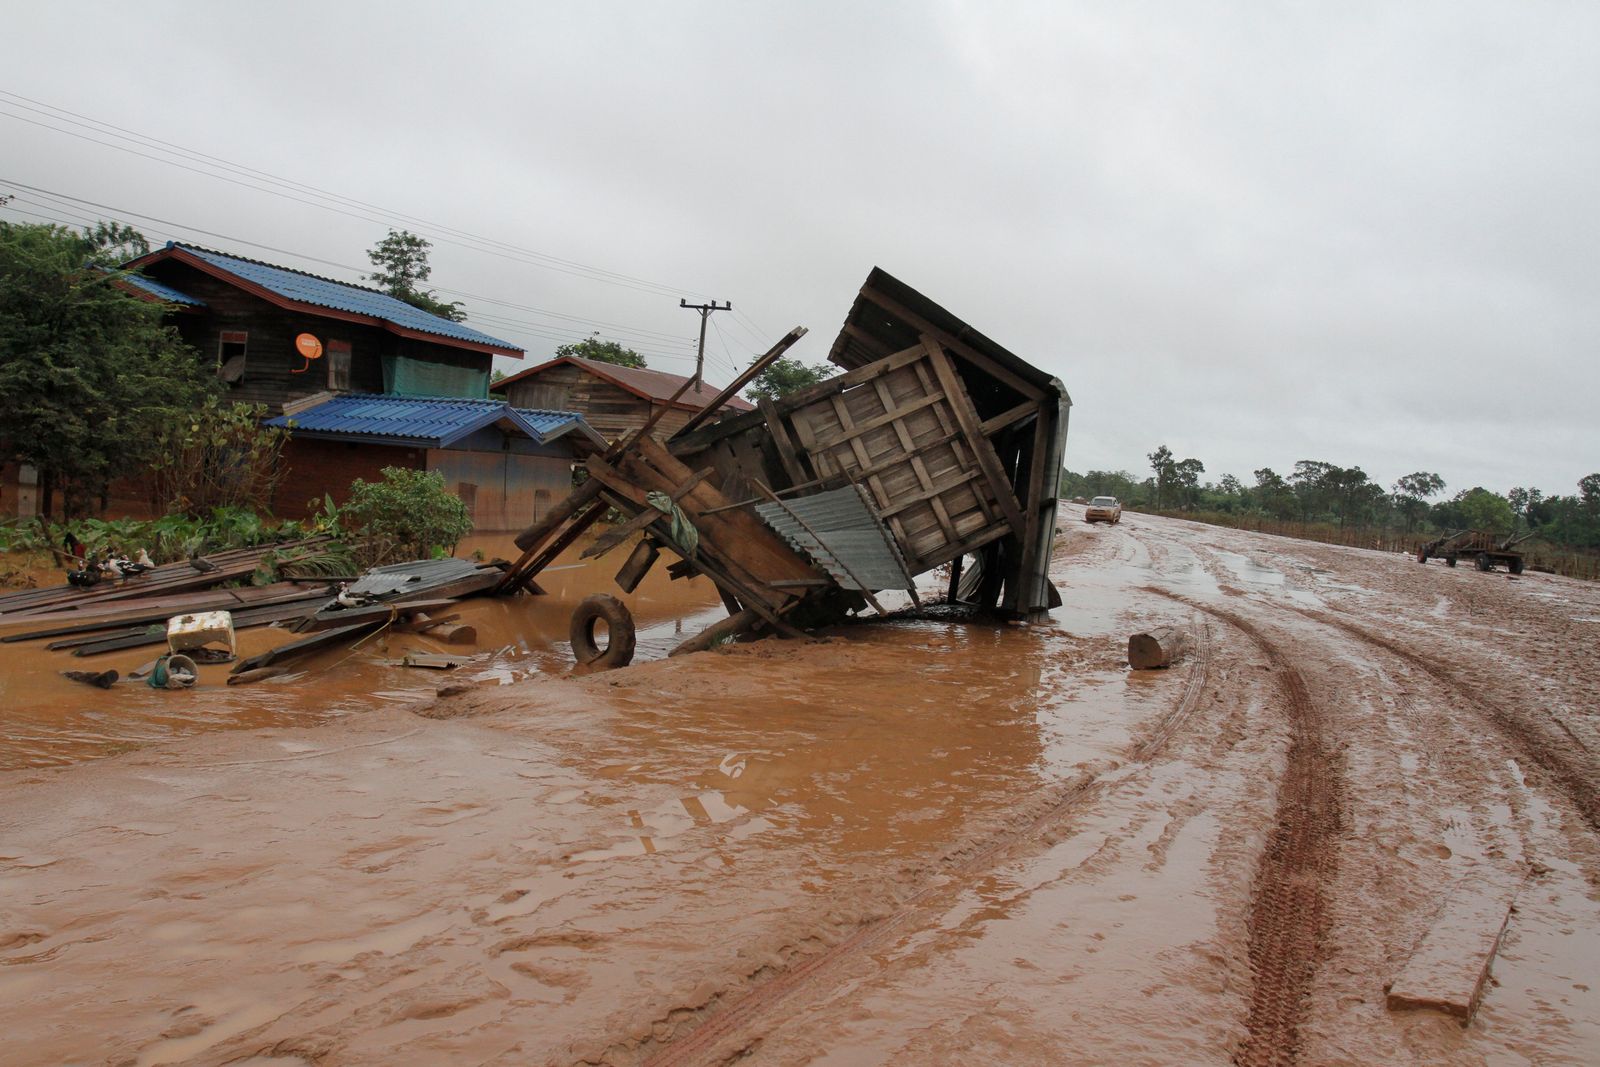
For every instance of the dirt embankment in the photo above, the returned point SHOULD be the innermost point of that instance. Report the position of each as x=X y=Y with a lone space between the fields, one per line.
x=920 y=843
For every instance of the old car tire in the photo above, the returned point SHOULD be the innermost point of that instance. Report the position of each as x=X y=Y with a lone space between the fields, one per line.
x=619 y=623
x=1515 y=566
x=1483 y=562
x=1449 y=561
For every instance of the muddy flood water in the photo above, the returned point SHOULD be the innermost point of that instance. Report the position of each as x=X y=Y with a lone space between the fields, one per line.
x=915 y=842
x=50 y=720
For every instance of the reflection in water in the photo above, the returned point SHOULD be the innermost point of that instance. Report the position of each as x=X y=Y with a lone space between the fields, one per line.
x=47 y=720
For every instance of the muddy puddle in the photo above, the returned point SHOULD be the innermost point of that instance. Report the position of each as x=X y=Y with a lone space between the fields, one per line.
x=48 y=720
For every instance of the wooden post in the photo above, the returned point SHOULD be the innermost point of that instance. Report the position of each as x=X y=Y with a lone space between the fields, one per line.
x=732 y=626
x=644 y=556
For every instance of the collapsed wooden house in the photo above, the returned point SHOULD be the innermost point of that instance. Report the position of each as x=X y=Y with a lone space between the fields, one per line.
x=935 y=445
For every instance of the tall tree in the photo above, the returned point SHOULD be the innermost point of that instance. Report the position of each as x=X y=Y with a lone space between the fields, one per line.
x=1411 y=495
x=785 y=375
x=596 y=348
x=402 y=262
x=89 y=374
x=1161 y=465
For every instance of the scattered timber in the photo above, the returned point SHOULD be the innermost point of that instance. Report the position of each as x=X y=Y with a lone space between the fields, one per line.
x=1161 y=647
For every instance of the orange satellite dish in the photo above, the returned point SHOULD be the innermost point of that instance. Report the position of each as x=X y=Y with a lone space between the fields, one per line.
x=308 y=346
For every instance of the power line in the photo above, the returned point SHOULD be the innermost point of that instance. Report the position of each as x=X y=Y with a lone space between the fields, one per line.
x=63 y=200
x=549 y=331
x=491 y=246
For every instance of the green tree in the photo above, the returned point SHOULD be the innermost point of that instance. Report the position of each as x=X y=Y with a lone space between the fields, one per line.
x=596 y=348
x=1186 y=479
x=1411 y=495
x=1477 y=509
x=1161 y=463
x=402 y=262
x=89 y=374
x=1272 y=494
x=785 y=375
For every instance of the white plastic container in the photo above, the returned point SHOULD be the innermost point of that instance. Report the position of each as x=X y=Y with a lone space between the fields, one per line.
x=199 y=630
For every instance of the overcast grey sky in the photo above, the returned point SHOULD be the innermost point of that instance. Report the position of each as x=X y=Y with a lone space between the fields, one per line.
x=1364 y=233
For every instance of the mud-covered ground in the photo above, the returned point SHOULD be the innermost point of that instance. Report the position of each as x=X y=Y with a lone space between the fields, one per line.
x=920 y=842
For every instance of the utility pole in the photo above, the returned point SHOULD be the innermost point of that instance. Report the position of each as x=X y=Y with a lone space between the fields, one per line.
x=705 y=313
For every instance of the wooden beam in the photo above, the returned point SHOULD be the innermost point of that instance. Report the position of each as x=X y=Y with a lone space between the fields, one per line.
x=1038 y=455
x=772 y=355
x=982 y=451
x=524 y=579
x=1007 y=418
x=530 y=539
x=783 y=442
x=954 y=343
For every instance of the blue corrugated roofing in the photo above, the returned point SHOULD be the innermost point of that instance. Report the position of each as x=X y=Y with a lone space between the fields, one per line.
x=342 y=296
x=431 y=421
x=164 y=292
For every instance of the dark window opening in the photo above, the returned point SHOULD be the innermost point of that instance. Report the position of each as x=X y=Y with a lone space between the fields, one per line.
x=231 y=355
x=339 y=366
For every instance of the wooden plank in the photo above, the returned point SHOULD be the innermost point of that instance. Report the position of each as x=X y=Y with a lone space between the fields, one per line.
x=885 y=393
x=890 y=417
x=1450 y=967
x=1006 y=418
x=639 y=562
x=737 y=623
x=523 y=579
x=305 y=646
x=933 y=492
x=530 y=539
x=1022 y=599
x=783 y=443
x=745 y=378
x=983 y=453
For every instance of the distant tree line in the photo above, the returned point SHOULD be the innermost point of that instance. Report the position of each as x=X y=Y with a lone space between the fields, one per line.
x=1320 y=492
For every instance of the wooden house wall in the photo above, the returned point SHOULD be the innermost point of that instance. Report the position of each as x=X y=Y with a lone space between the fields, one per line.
x=273 y=368
x=503 y=490
x=610 y=409
x=921 y=469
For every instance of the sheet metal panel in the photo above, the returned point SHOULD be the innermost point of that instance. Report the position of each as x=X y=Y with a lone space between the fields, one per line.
x=845 y=537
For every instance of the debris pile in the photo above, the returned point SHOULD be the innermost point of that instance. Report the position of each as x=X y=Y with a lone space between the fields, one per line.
x=184 y=607
x=935 y=445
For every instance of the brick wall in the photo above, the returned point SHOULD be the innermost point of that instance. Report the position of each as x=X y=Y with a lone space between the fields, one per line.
x=313 y=468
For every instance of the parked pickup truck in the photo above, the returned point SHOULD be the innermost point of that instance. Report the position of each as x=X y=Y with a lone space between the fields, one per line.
x=1103 y=509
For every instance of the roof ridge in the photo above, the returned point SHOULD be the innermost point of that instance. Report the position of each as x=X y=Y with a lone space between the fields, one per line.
x=277 y=266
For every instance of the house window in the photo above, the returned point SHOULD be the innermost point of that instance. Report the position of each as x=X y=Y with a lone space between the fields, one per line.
x=338 y=366
x=231 y=355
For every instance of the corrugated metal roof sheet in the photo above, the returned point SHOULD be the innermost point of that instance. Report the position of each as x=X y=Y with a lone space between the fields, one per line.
x=658 y=385
x=848 y=537
x=416 y=576
x=342 y=296
x=427 y=420
x=163 y=292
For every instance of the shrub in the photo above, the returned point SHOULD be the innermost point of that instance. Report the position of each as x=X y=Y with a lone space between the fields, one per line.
x=407 y=515
x=217 y=457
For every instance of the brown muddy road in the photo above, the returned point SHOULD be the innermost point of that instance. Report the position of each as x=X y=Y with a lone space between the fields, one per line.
x=919 y=843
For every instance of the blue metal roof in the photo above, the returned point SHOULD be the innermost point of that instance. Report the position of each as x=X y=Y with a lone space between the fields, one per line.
x=163 y=292
x=431 y=422
x=341 y=296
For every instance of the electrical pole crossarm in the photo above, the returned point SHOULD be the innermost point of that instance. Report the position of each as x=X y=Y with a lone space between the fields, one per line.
x=705 y=311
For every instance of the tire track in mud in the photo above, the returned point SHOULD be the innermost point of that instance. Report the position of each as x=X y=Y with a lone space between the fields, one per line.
x=1536 y=744
x=1289 y=915
x=722 y=1036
